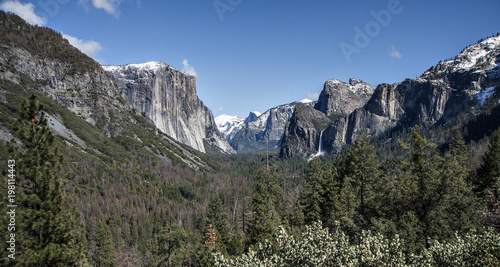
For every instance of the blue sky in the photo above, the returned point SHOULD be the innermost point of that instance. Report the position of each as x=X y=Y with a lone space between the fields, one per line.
x=257 y=54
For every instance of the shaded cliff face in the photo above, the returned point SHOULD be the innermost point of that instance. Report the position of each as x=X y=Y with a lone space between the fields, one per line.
x=441 y=93
x=336 y=101
x=168 y=97
x=302 y=131
x=270 y=124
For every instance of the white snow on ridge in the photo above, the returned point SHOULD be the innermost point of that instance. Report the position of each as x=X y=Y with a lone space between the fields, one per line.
x=151 y=65
x=229 y=125
x=477 y=54
x=305 y=101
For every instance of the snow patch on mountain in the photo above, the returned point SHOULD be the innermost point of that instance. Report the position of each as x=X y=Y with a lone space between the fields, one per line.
x=229 y=125
x=305 y=101
x=478 y=57
x=151 y=65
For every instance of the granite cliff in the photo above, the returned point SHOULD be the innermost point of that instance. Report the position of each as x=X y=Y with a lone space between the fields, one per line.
x=168 y=97
x=437 y=96
x=88 y=108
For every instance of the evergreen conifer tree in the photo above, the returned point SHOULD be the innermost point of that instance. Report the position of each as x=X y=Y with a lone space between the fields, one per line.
x=420 y=188
x=362 y=170
x=105 y=254
x=320 y=197
x=312 y=196
x=437 y=199
x=489 y=171
x=49 y=232
x=217 y=219
x=267 y=206
x=458 y=203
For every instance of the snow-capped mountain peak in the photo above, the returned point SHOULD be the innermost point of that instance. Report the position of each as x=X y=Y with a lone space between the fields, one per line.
x=229 y=125
x=478 y=57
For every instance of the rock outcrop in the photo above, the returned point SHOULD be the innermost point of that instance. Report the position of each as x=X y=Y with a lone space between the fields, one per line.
x=441 y=93
x=51 y=65
x=338 y=97
x=302 y=131
x=168 y=97
x=336 y=101
x=268 y=127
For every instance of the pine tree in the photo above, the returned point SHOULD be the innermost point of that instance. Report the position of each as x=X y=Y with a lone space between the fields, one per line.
x=319 y=199
x=421 y=187
x=171 y=238
x=218 y=221
x=362 y=170
x=49 y=231
x=312 y=196
x=458 y=203
x=267 y=206
x=489 y=171
x=105 y=249
x=437 y=199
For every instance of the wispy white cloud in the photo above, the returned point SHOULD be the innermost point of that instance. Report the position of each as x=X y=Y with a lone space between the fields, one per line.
x=221 y=108
x=109 y=6
x=91 y=48
x=395 y=53
x=313 y=96
x=25 y=11
x=188 y=68
x=138 y=3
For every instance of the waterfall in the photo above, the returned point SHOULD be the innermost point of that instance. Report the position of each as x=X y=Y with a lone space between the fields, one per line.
x=320 y=151
x=320 y=148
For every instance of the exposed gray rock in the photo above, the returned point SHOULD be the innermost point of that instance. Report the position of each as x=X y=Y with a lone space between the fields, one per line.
x=441 y=93
x=338 y=97
x=168 y=97
x=270 y=125
x=253 y=115
x=57 y=127
x=302 y=131
x=91 y=94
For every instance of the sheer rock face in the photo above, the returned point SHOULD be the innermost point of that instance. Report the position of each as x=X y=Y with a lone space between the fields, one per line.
x=302 y=131
x=338 y=97
x=336 y=101
x=438 y=95
x=168 y=97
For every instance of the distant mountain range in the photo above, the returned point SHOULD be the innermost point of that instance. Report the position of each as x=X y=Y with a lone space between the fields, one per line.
x=156 y=105
x=230 y=125
x=250 y=135
x=343 y=110
x=458 y=86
